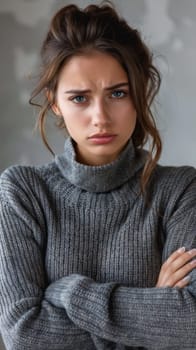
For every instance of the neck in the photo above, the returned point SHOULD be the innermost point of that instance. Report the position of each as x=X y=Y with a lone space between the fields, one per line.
x=99 y=178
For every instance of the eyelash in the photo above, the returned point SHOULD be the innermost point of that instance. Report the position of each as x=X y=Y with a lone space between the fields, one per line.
x=122 y=92
x=125 y=93
x=75 y=97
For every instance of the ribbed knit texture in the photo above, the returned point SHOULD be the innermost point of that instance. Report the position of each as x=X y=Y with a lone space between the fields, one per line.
x=81 y=250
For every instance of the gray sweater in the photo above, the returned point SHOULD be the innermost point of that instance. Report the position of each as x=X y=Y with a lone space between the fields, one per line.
x=81 y=250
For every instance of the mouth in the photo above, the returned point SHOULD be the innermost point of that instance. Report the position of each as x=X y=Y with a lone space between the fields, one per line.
x=102 y=138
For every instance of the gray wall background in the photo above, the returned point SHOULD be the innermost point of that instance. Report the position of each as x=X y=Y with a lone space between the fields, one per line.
x=167 y=26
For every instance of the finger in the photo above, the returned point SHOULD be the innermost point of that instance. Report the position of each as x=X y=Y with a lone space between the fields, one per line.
x=183 y=283
x=175 y=255
x=178 y=262
x=183 y=259
x=181 y=273
x=180 y=259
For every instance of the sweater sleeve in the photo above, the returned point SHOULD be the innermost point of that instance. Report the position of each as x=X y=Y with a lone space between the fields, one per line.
x=154 y=318
x=27 y=319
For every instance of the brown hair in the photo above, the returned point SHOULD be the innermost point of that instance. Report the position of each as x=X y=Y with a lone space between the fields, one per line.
x=74 y=31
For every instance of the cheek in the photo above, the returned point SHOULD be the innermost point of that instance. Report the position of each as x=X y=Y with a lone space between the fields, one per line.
x=72 y=129
x=74 y=123
x=128 y=115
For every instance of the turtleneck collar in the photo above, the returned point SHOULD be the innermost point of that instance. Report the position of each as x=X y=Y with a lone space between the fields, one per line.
x=101 y=178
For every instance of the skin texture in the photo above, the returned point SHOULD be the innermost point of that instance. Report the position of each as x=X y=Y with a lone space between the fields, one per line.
x=100 y=109
x=93 y=97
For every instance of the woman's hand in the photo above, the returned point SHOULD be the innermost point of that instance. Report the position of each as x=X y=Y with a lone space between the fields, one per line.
x=174 y=272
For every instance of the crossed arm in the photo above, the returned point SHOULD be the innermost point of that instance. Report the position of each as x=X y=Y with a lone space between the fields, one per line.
x=72 y=311
x=156 y=317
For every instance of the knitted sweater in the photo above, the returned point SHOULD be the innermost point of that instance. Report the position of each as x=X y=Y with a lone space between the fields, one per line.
x=81 y=251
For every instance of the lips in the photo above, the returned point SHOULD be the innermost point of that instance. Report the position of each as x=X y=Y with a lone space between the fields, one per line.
x=101 y=135
x=102 y=138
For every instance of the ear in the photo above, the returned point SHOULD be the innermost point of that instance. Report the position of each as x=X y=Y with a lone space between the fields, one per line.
x=53 y=105
x=56 y=110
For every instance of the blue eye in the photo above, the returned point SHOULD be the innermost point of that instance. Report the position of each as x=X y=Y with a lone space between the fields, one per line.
x=79 y=99
x=118 y=94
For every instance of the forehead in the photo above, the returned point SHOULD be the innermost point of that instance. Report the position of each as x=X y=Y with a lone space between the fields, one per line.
x=94 y=68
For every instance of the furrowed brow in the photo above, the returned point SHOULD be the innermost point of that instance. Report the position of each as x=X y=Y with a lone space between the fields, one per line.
x=85 y=91
x=116 y=86
x=77 y=91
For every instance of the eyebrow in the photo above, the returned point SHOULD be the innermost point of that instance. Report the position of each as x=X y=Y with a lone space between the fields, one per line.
x=77 y=91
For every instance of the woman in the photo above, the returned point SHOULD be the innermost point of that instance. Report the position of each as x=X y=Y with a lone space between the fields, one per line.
x=97 y=248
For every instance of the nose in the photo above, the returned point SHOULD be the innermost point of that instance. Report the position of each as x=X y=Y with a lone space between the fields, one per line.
x=100 y=114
